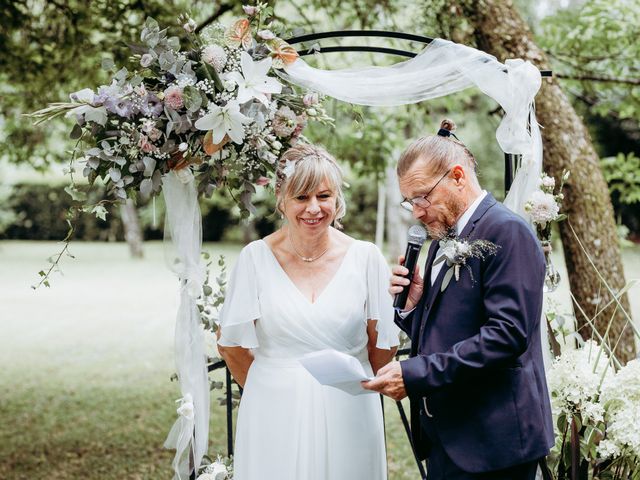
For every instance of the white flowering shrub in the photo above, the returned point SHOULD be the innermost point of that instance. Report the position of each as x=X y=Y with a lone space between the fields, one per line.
x=596 y=411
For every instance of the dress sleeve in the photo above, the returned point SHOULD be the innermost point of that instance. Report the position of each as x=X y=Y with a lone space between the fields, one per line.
x=241 y=306
x=379 y=300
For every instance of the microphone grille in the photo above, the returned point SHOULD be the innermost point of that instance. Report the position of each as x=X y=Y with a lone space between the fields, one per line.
x=417 y=234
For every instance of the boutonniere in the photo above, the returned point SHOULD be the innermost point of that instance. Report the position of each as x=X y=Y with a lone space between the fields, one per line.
x=456 y=252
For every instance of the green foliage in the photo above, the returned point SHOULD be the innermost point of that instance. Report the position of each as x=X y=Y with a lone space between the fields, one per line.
x=39 y=213
x=598 y=39
x=622 y=173
x=52 y=48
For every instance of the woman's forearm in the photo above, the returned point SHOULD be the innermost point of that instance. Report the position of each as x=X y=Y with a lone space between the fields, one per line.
x=238 y=361
x=378 y=357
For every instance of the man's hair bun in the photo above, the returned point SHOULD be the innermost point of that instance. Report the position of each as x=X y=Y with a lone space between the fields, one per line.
x=448 y=124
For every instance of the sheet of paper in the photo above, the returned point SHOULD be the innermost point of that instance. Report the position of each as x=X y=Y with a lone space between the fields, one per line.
x=336 y=369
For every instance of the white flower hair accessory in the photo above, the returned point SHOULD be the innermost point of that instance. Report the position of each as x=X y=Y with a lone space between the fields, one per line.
x=289 y=168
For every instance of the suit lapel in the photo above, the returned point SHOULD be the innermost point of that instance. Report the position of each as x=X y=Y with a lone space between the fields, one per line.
x=434 y=290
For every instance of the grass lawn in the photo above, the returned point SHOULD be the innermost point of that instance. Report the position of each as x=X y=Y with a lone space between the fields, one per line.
x=86 y=365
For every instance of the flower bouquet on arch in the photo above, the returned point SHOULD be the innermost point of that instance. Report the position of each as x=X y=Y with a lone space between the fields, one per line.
x=544 y=208
x=209 y=107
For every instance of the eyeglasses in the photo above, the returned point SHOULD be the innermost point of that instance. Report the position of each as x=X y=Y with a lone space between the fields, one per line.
x=422 y=201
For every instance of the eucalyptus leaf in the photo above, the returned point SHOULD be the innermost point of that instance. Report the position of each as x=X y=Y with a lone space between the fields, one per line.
x=108 y=64
x=446 y=279
x=121 y=75
x=149 y=166
x=146 y=187
x=439 y=260
x=76 y=132
x=192 y=99
x=173 y=43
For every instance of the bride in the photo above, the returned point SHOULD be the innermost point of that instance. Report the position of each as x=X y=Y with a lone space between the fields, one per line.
x=304 y=288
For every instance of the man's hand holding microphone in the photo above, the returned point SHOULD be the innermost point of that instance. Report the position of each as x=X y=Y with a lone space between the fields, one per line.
x=407 y=286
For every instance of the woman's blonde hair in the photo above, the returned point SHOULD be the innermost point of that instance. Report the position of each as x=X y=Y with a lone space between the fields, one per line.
x=440 y=151
x=310 y=165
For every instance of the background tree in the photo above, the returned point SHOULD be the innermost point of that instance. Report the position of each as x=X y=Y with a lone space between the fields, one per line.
x=500 y=30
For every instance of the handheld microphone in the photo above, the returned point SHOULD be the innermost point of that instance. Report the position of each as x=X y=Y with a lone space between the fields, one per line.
x=416 y=237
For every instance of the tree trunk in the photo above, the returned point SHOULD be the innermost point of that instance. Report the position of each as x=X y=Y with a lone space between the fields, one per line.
x=132 y=230
x=500 y=31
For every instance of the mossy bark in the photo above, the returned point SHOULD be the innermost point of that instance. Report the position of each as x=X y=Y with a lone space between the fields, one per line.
x=501 y=31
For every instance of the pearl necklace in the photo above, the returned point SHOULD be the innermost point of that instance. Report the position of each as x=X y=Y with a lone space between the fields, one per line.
x=302 y=257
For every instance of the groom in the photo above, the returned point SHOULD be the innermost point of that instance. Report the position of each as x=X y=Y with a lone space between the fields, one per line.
x=475 y=377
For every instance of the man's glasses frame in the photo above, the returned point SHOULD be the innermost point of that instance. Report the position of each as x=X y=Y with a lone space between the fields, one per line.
x=422 y=201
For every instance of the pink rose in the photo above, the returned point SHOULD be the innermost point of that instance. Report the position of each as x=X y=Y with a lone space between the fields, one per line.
x=173 y=97
x=145 y=145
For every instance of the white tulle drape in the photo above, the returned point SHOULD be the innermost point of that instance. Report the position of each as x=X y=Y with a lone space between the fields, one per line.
x=442 y=68
x=183 y=242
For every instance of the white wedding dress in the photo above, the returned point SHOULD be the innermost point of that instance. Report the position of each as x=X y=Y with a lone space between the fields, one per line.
x=289 y=426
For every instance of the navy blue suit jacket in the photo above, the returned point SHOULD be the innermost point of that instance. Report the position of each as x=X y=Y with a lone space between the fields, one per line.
x=476 y=354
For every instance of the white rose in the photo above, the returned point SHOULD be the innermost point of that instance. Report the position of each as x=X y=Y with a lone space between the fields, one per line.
x=207 y=476
x=218 y=470
x=462 y=248
x=449 y=251
x=548 y=182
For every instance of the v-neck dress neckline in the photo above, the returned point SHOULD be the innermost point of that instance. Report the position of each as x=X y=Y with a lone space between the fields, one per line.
x=293 y=284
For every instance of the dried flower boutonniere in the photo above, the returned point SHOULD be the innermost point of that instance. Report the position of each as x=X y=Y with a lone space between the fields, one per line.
x=456 y=252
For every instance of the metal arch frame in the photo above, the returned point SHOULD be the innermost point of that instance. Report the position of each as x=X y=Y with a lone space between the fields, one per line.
x=511 y=161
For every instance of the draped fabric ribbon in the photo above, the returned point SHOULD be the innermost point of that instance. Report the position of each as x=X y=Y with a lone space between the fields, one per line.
x=183 y=242
x=442 y=68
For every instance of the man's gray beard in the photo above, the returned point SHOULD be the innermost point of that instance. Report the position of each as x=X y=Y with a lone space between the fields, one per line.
x=455 y=208
x=442 y=234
